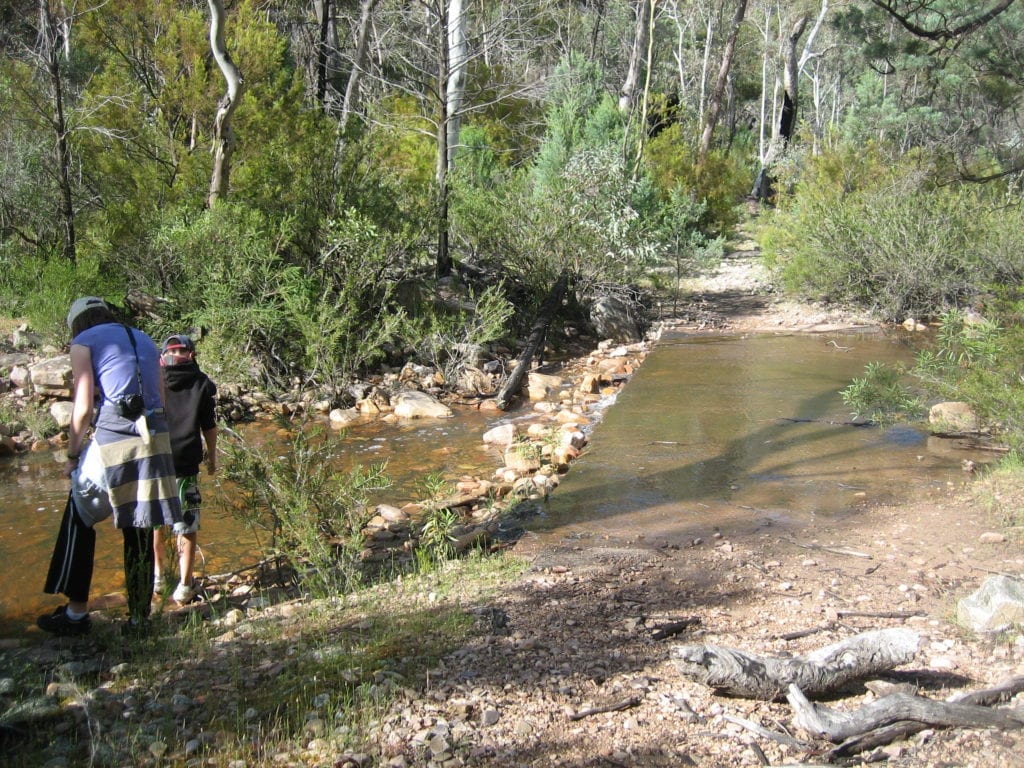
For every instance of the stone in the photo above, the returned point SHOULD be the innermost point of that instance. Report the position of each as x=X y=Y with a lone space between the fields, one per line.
x=953 y=418
x=343 y=417
x=20 y=377
x=522 y=459
x=25 y=339
x=615 y=320
x=61 y=411
x=52 y=376
x=501 y=435
x=413 y=404
x=998 y=602
x=14 y=360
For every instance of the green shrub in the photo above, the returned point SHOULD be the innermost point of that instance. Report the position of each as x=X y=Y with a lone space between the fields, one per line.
x=881 y=395
x=886 y=237
x=722 y=183
x=40 y=288
x=979 y=363
x=447 y=340
x=311 y=513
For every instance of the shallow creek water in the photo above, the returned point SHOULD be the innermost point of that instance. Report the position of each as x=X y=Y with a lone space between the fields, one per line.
x=735 y=434
x=712 y=432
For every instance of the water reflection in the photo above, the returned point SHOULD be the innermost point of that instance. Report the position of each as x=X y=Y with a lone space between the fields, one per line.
x=736 y=431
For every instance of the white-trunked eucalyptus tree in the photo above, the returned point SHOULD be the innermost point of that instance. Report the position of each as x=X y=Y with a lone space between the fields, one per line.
x=223 y=135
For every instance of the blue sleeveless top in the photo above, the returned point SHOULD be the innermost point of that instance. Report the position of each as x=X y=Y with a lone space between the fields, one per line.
x=113 y=363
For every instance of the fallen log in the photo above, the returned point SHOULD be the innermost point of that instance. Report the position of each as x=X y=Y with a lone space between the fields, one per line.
x=535 y=342
x=1004 y=690
x=736 y=673
x=896 y=708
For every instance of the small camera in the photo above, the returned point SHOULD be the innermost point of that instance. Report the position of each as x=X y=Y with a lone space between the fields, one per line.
x=131 y=406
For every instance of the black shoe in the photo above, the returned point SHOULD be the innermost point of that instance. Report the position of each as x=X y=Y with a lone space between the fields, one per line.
x=59 y=623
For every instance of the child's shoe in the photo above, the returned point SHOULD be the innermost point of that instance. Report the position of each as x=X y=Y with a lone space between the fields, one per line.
x=183 y=594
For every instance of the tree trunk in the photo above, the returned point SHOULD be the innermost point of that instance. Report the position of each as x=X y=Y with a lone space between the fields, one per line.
x=718 y=94
x=223 y=136
x=458 y=56
x=782 y=131
x=325 y=11
x=741 y=674
x=51 y=56
x=452 y=72
x=538 y=333
x=646 y=93
x=637 y=57
x=358 y=59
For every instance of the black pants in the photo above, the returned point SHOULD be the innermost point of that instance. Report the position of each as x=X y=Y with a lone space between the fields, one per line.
x=71 y=565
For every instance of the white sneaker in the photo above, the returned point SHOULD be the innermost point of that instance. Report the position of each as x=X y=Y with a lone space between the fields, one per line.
x=183 y=593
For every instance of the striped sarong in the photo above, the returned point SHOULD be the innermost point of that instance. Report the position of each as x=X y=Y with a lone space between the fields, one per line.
x=140 y=478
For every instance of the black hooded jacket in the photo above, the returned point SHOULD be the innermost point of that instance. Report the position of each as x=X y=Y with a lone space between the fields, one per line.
x=191 y=398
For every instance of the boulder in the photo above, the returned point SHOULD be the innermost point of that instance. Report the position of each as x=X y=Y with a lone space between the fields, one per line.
x=61 y=413
x=953 y=418
x=998 y=602
x=501 y=435
x=52 y=376
x=540 y=385
x=343 y=417
x=612 y=318
x=413 y=404
x=13 y=359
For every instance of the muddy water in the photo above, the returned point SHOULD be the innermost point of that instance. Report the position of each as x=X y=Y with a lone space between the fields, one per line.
x=733 y=435
x=712 y=432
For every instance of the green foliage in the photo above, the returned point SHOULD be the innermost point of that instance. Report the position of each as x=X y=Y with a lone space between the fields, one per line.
x=28 y=222
x=979 y=362
x=878 y=232
x=975 y=361
x=268 y=314
x=448 y=339
x=881 y=395
x=435 y=538
x=579 y=115
x=41 y=288
x=312 y=513
x=720 y=185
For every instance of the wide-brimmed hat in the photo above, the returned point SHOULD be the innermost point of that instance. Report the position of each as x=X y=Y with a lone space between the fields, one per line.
x=78 y=306
x=178 y=341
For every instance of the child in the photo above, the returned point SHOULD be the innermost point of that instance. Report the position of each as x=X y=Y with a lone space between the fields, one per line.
x=191 y=420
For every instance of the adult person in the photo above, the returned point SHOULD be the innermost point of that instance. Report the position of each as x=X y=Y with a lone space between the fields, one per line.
x=191 y=419
x=118 y=392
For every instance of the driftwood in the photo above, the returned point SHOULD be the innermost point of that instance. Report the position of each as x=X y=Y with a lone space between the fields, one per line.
x=892 y=717
x=736 y=673
x=536 y=341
